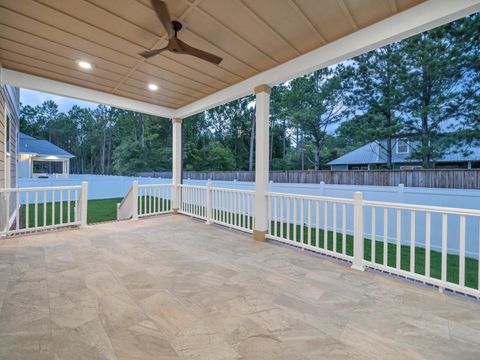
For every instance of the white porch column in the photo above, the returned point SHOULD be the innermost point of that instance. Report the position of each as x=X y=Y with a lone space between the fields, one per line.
x=176 y=162
x=262 y=121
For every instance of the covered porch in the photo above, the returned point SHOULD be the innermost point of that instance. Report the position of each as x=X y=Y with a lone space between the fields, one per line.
x=171 y=287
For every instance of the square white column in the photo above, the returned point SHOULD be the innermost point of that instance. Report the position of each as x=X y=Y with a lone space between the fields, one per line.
x=176 y=161
x=262 y=122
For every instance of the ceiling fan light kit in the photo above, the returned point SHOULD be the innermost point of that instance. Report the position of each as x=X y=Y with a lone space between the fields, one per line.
x=175 y=45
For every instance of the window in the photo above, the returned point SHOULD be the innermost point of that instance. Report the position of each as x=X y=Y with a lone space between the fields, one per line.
x=402 y=147
x=7 y=134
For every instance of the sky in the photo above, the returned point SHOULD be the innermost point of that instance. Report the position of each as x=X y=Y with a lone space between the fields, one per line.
x=33 y=98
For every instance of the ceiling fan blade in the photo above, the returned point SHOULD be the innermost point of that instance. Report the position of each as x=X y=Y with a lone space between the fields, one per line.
x=163 y=14
x=190 y=50
x=149 y=53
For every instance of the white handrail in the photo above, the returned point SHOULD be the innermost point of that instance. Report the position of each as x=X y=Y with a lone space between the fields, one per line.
x=430 y=208
x=41 y=208
x=312 y=197
x=154 y=185
x=43 y=188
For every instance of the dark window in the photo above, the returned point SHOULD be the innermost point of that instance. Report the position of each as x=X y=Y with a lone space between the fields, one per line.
x=402 y=147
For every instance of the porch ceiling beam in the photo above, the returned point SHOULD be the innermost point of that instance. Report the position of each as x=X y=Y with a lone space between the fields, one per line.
x=37 y=83
x=422 y=17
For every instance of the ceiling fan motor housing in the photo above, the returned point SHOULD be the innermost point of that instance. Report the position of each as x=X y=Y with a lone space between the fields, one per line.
x=177 y=26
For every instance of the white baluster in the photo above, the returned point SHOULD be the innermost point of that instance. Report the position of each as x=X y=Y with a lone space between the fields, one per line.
x=309 y=222
x=427 y=243
x=344 y=229
x=302 y=220
x=461 y=275
x=27 y=210
x=373 y=242
x=444 y=246
x=399 y=240
x=334 y=205
x=385 y=236
x=412 y=241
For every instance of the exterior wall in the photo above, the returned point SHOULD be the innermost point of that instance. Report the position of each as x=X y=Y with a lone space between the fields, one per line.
x=339 y=167
x=358 y=167
x=9 y=103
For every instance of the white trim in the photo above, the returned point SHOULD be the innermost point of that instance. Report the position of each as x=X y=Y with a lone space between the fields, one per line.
x=7 y=134
x=422 y=17
x=7 y=141
x=37 y=83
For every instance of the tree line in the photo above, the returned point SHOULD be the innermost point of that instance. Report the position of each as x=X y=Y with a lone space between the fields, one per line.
x=425 y=88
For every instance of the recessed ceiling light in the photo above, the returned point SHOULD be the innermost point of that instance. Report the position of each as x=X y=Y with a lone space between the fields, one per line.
x=84 y=65
x=153 y=87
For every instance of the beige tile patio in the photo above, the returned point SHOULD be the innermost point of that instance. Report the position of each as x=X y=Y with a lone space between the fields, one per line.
x=174 y=288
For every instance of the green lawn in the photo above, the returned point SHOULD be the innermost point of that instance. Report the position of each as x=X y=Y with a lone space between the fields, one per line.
x=102 y=210
x=98 y=211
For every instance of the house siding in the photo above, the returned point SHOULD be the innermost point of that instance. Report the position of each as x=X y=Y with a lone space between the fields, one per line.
x=9 y=99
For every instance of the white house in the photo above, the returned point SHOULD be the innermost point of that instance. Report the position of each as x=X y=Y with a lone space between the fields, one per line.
x=374 y=156
x=41 y=157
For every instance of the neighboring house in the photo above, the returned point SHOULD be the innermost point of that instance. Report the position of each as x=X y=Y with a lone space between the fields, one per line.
x=41 y=157
x=9 y=125
x=374 y=156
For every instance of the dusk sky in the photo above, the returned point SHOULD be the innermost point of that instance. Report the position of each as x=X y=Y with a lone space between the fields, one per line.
x=33 y=98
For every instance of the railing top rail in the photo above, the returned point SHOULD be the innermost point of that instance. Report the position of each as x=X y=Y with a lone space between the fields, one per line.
x=426 y=208
x=154 y=185
x=192 y=186
x=43 y=188
x=233 y=190
x=311 y=197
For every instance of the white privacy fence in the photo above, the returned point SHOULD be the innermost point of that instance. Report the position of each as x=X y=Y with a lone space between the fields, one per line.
x=39 y=208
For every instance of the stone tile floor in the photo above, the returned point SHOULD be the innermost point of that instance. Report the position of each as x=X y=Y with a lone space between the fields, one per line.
x=174 y=288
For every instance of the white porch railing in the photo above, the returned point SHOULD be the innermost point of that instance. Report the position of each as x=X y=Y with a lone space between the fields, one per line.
x=228 y=207
x=361 y=232
x=154 y=199
x=312 y=222
x=411 y=253
x=193 y=200
x=40 y=208
x=232 y=208
x=146 y=200
x=396 y=238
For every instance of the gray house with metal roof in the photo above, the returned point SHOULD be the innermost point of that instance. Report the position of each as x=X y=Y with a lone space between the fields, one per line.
x=34 y=155
x=374 y=156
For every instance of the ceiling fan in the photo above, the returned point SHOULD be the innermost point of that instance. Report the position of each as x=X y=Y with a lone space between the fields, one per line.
x=176 y=45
